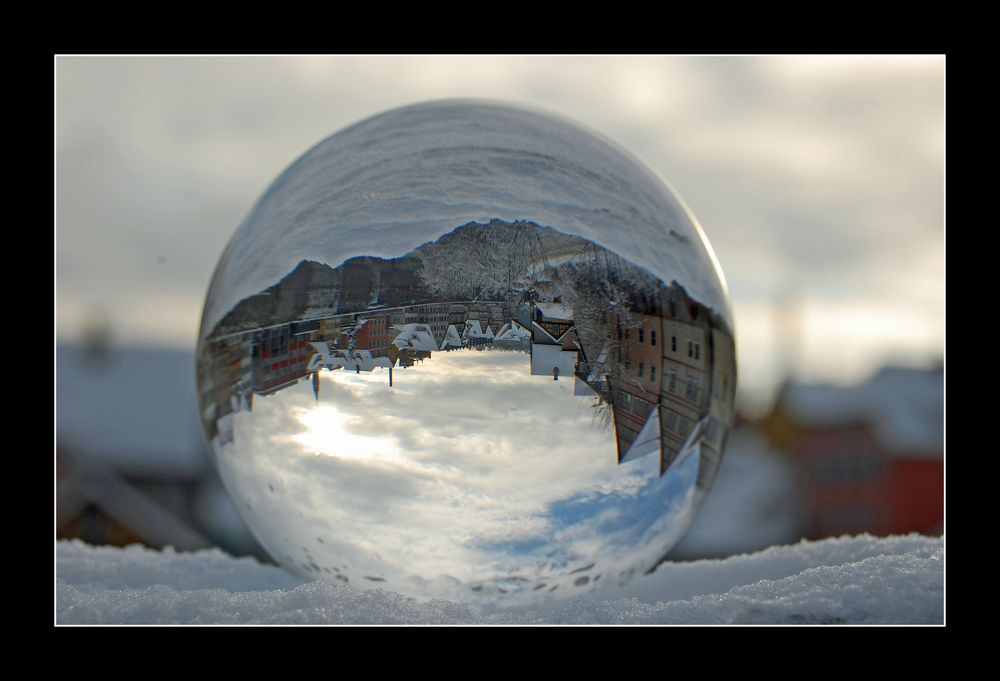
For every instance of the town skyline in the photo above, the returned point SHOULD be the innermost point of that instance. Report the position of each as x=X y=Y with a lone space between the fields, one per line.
x=590 y=313
x=632 y=361
x=412 y=267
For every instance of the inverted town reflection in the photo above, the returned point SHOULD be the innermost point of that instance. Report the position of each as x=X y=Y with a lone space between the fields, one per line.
x=545 y=440
x=524 y=473
x=406 y=381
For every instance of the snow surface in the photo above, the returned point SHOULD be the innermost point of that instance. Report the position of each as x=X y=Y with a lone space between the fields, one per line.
x=850 y=580
x=905 y=405
x=753 y=503
x=135 y=411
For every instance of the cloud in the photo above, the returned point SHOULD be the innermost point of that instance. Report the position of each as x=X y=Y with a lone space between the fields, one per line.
x=815 y=170
x=468 y=468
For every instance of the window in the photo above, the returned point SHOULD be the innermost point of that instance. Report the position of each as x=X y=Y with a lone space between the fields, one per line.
x=652 y=337
x=640 y=369
x=671 y=420
x=690 y=349
x=641 y=408
x=640 y=335
x=673 y=344
x=673 y=382
x=652 y=373
x=684 y=427
x=697 y=350
x=692 y=389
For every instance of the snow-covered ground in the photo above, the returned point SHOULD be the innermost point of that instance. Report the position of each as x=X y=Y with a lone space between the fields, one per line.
x=852 y=580
x=753 y=503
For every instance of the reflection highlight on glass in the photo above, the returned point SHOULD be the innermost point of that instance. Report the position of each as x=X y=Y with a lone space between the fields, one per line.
x=507 y=411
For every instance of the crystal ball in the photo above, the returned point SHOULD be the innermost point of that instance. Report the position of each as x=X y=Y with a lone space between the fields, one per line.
x=469 y=351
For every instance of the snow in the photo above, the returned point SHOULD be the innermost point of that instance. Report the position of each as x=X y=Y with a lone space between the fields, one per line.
x=513 y=331
x=852 y=580
x=473 y=329
x=134 y=411
x=753 y=503
x=647 y=441
x=904 y=405
x=555 y=310
x=451 y=338
x=415 y=337
x=350 y=360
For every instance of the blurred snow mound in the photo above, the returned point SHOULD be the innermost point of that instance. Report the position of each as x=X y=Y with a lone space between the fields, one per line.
x=849 y=580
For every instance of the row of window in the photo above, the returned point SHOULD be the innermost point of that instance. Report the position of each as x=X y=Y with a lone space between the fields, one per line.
x=692 y=390
x=268 y=348
x=634 y=404
x=415 y=319
x=693 y=347
x=652 y=371
x=286 y=362
x=677 y=423
x=642 y=335
x=281 y=379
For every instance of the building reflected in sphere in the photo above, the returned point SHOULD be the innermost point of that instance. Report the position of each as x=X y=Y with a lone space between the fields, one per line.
x=465 y=351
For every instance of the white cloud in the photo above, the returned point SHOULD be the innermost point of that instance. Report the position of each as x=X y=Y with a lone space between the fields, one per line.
x=468 y=468
x=803 y=166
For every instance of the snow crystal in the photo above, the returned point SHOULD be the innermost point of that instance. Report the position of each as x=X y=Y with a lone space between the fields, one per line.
x=849 y=580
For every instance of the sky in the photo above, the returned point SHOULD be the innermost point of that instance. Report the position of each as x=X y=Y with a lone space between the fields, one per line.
x=449 y=476
x=818 y=180
x=372 y=190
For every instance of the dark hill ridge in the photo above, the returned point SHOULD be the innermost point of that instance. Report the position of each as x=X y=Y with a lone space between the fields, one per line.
x=544 y=239
x=316 y=290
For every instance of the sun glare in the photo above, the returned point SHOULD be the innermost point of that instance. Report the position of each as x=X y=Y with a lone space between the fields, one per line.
x=328 y=432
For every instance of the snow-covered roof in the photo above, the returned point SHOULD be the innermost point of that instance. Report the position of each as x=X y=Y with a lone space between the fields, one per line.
x=473 y=329
x=555 y=310
x=369 y=363
x=598 y=367
x=451 y=338
x=540 y=334
x=415 y=337
x=134 y=411
x=581 y=389
x=513 y=331
x=647 y=441
x=352 y=360
x=92 y=483
x=904 y=406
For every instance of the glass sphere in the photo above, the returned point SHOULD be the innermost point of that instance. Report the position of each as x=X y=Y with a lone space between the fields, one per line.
x=462 y=350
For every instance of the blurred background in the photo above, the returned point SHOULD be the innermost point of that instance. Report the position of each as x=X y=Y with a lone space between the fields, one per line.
x=819 y=181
